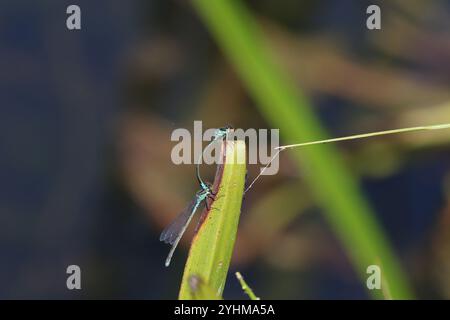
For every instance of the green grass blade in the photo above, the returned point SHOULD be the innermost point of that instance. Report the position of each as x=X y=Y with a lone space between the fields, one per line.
x=212 y=247
x=284 y=107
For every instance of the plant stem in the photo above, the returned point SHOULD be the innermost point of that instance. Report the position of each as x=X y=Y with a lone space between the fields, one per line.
x=366 y=135
x=246 y=288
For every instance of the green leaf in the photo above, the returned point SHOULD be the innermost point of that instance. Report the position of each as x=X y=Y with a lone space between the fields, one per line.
x=212 y=246
x=284 y=106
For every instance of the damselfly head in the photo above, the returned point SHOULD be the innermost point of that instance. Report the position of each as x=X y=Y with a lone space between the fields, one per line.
x=222 y=132
x=226 y=127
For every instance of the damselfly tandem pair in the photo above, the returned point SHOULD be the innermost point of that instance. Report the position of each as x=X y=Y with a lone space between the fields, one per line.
x=173 y=233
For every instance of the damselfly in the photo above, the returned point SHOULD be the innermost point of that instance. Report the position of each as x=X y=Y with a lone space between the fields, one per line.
x=173 y=233
x=221 y=133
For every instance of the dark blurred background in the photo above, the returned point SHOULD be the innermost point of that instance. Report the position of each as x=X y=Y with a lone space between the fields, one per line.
x=86 y=117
